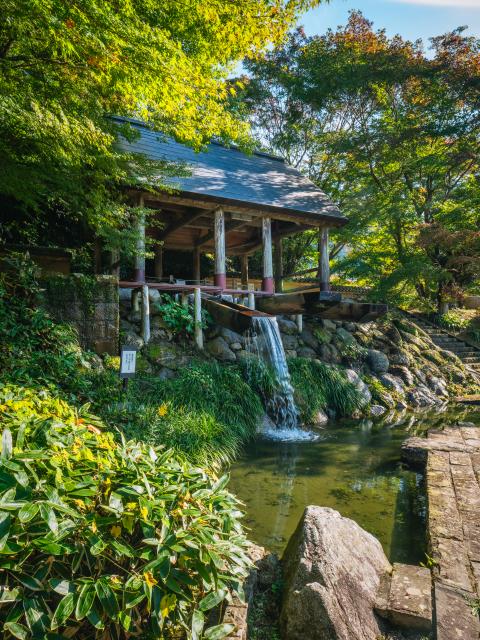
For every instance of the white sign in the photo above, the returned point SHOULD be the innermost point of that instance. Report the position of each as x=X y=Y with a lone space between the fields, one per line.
x=128 y=360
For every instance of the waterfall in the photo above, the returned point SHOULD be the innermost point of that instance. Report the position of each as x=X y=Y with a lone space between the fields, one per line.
x=265 y=342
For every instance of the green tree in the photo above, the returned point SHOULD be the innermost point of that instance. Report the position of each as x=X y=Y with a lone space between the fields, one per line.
x=64 y=67
x=391 y=134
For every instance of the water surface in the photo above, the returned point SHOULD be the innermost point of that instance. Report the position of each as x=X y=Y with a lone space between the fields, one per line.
x=355 y=468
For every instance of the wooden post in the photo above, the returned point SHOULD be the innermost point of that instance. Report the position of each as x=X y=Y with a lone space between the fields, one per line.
x=114 y=266
x=184 y=299
x=220 y=275
x=158 y=262
x=139 y=270
x=196 y=264
x=135 y=300
x=267 y=280
x=197 y=306
x=145 y=315
x=251 y=297
x=278 y=266
x=299 y=321
x=244 y=269
x=323 y=259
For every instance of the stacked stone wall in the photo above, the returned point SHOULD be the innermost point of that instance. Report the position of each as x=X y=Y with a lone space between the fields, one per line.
x=90 y=304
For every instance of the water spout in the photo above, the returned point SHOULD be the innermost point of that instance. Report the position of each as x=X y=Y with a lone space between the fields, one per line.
x=265 y=342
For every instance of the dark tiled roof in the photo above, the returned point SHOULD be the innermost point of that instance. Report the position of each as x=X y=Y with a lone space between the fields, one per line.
x=227 y=174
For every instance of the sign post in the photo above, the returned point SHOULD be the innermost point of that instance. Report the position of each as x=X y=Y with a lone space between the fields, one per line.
x=128 y=361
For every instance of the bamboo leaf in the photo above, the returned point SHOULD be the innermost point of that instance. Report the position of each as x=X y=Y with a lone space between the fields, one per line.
x=63 y=611
x=85 y=601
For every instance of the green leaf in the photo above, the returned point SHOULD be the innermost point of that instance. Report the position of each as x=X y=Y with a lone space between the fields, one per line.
x=48 y=514
x=62 y=586
x=28 y=512
x=63 y=611
x=107 y=598
x=85 y=601
x=95 y=618
x=212 y=599
x=7 y=444
x=17 y=630
x=30 y=582
x=198 y=622
x=219 y=632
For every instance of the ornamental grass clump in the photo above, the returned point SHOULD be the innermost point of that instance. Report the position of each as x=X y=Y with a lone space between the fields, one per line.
x=319 y=386
x=107 y=539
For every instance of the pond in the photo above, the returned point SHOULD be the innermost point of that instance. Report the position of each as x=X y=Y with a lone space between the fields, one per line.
x=355 y=468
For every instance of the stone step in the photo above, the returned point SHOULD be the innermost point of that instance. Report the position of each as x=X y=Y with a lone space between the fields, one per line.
x=405 y=598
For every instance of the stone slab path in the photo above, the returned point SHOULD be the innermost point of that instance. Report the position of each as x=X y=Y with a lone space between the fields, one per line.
x=452 y=459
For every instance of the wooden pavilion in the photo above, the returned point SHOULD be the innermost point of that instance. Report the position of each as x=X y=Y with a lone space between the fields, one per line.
x=231 y=203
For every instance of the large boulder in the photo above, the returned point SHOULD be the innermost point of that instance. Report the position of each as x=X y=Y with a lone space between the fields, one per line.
x=359 y=385
x=219 y=349
x=332 y=572
x=377 y=361
x=287 y=326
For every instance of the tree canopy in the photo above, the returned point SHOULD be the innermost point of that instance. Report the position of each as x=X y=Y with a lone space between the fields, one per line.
x=392 y=134
x=66 y=66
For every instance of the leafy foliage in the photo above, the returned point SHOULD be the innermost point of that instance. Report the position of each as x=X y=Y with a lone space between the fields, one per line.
x=179 y=318
x=32 y=346
x=318 y=386
x=391 y=133
x=102 y=538
x=64 y=67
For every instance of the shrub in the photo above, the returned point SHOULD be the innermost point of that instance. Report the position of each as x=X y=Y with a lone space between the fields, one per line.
x=209 y=410
x=32 y=346
x=454 y=320
x=318 y=386
x=106 y=539
x=179 y=318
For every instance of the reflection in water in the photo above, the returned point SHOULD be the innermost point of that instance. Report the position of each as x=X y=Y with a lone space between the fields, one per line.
x=355 y=468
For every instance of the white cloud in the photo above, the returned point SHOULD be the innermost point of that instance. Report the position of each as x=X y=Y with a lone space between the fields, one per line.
x=455 y=4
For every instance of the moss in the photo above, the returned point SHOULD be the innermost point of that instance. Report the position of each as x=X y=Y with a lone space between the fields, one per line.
x=322 y=335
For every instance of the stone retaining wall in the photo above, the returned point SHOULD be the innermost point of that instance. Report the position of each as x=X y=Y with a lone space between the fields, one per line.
x=88 y=303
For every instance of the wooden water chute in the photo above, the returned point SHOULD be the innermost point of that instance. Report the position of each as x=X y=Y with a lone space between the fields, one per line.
x=308 y=302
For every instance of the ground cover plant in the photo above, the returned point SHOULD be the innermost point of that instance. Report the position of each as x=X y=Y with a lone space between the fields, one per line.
x=207 y=411
x=104 y=538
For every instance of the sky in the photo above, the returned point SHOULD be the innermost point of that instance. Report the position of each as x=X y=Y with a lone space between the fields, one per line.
x=412 y=19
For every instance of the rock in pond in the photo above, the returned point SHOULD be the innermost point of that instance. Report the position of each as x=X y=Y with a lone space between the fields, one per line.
x=332 y=572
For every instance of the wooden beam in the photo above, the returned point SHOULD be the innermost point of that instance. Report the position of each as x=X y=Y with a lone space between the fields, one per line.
x=250 y=247
x=187 y=218
x=229 y=226
x=233 y=206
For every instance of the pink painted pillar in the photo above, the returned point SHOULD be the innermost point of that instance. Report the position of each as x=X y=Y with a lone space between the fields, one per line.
x=267 y=280
x=220 y=274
